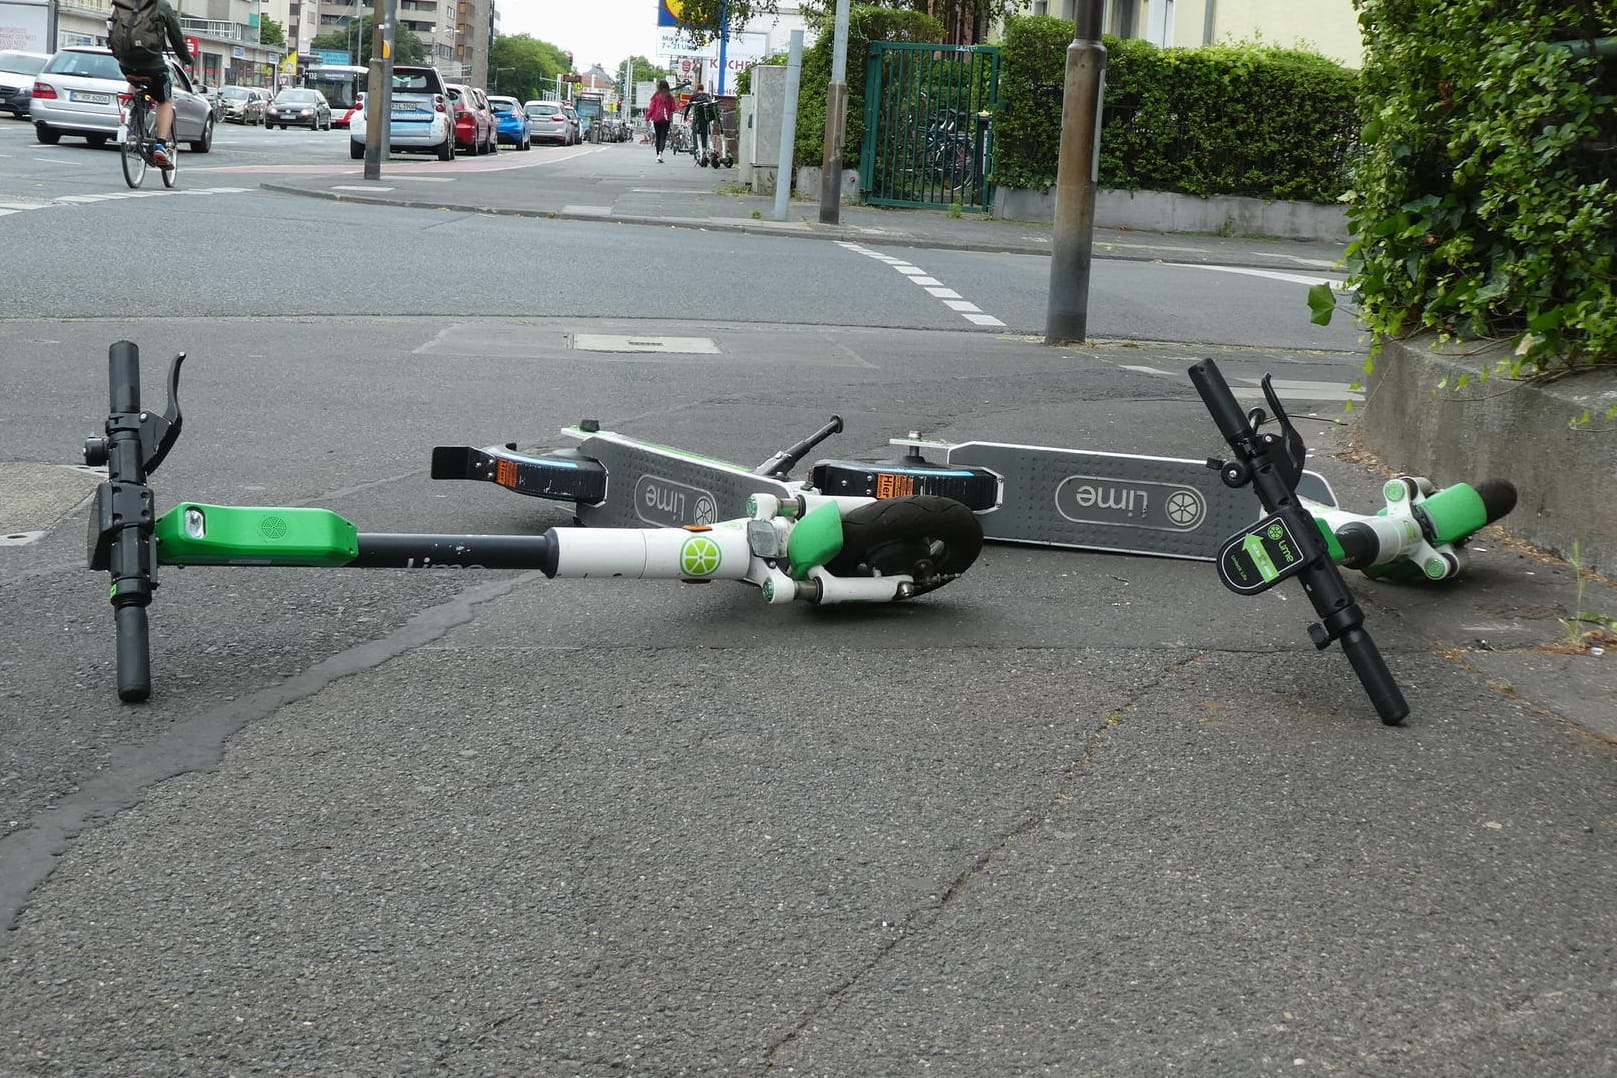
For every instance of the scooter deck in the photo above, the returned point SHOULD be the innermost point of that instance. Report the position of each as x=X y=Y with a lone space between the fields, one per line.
x=659 y=486
x=1086 y=500
x=1113 y=502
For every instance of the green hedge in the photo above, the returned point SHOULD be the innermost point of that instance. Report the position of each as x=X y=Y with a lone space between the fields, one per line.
x=1485 y=204
x=1222 y=120
x=865 y=24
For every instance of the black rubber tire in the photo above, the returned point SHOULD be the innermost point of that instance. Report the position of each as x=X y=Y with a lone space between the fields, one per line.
x=205 y=143
x=356 y=150
x=931 y=538
x=48 y=136
x=446 y=151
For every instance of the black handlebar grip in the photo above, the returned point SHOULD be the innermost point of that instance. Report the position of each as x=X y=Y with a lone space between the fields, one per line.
x=1374 y=676
x=134 y=656
x=123 y=376
x=1221 y=403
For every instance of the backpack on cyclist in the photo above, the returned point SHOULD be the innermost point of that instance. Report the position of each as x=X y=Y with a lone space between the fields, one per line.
x=137 y=34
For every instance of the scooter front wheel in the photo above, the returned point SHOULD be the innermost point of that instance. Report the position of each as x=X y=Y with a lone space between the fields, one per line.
x=930 y=538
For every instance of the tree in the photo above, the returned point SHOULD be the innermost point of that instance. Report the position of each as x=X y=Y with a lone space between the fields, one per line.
x=355 y=39
x=966 y=22
x=528 y=66
x=270 y=32
x=699 y=19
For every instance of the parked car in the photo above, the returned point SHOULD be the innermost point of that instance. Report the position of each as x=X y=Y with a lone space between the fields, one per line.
x=422 y=120
x=215 y=101
x=17 y=71
x=245 y=105
x=475 y=131
x=511 y=122
x=575 y=122
x=76 y=93
x=548 y=122
x=297 y=106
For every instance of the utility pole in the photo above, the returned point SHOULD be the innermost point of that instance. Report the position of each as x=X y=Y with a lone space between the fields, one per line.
x=379 y=89
x=836 y=123
x=1077 y=172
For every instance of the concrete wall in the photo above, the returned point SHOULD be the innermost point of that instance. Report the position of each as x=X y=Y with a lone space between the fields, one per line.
x=1565 y=476
x=1160 y=211
x=808 y=184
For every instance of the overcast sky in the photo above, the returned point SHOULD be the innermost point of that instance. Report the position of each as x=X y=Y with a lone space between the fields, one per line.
x=604 y=32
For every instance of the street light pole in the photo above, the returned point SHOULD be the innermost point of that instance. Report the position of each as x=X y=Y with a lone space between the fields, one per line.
x=1077 y=172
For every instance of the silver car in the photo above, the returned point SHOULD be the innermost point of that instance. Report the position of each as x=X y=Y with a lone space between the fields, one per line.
x=17 y=72
x=76 y=93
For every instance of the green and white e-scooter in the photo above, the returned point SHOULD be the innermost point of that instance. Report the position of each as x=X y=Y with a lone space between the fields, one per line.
x=1420 y=533
x=794 y=546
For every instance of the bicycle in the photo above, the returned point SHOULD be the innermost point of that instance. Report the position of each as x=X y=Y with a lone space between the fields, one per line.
x=137 y=138
x=679 y=139
x=935 y=149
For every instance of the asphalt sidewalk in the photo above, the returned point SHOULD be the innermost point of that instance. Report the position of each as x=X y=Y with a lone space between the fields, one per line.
x=625 y=184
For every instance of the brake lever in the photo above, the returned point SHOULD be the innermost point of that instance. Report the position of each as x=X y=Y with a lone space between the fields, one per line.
x=1295 y=450
x=165 y=429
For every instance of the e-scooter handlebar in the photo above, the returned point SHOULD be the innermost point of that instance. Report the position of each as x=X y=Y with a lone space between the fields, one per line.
x=1221 y=404
x=122 y=517
x=1264 y=461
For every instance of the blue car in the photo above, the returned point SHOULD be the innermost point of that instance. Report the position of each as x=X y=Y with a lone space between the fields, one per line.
x=514 y=127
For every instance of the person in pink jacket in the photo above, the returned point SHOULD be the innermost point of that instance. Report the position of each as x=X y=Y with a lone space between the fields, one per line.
x=660 y=113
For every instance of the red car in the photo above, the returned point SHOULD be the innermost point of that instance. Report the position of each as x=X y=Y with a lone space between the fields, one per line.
x=476 y=130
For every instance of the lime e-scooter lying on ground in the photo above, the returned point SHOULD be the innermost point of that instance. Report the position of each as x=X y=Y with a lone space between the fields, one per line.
x=857 y=531
x=793 y=546
x=1419 y=533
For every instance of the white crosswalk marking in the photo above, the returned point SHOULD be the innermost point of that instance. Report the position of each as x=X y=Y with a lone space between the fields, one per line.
x=934 y=287
x=14 y=205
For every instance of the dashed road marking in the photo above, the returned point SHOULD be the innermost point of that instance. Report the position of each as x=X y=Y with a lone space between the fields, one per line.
x=934 y=287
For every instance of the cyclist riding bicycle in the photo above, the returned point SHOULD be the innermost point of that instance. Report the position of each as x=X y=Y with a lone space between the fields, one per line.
x=138 y=30
x=706 y=109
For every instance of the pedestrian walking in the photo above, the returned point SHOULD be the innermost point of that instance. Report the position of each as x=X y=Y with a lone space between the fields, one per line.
x=661 y=113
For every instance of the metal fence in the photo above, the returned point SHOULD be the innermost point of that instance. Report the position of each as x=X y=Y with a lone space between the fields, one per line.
x=928 y=130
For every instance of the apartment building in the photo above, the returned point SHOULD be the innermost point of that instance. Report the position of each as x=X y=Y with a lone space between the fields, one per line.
x=456 y=33
x=224 y=35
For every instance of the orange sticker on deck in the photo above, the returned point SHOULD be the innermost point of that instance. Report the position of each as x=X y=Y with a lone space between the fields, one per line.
x=889 y=485
x=505 y=474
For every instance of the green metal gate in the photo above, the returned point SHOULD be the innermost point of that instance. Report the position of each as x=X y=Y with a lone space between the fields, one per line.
x=928 y=137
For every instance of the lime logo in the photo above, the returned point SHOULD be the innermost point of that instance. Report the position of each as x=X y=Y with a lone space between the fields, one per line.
x=669 y=503
x=1277 y=531
x=699 y=556
x=1106 y=500
x=1185 y=508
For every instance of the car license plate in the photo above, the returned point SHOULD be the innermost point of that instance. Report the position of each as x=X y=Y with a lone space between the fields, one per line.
x=92 y=99
x=403 y=106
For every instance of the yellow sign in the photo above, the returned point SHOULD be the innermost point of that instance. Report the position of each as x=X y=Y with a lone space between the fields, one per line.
x=289 y=62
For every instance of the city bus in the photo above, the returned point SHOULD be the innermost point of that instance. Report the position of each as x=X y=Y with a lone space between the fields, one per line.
x=341 y=83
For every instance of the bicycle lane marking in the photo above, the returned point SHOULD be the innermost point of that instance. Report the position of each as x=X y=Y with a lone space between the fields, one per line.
x=934 y=287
